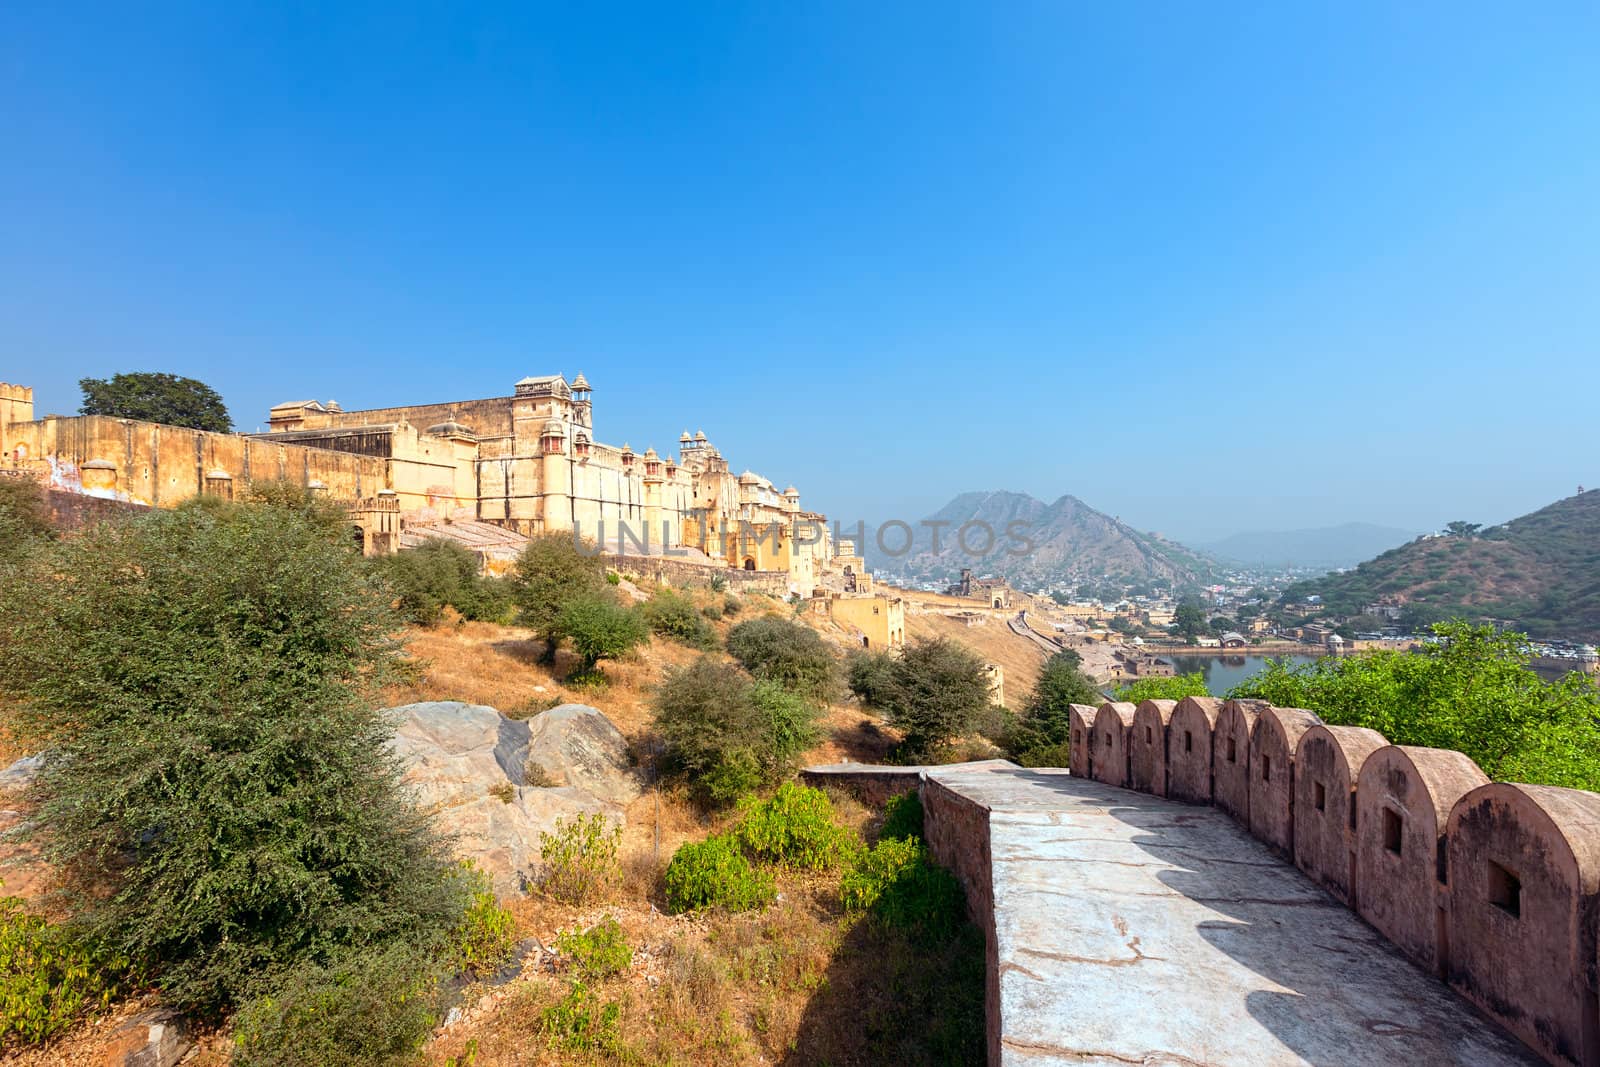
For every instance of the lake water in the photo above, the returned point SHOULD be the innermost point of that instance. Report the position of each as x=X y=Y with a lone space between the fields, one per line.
x=1222 y=673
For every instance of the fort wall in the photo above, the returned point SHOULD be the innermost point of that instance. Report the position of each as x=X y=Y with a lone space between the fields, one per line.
x=1493 y=886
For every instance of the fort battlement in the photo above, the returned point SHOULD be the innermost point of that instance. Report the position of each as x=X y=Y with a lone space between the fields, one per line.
x=1491 y=888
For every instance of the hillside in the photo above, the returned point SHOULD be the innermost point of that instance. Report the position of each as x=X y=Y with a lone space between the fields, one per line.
x=1344 y=545
x=1069 y=540
x=1540 y=573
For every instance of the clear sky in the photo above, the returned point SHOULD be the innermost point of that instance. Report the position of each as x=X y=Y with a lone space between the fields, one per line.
x=1208 y=267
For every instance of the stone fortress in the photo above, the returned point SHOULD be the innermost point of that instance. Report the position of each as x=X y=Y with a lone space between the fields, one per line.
x=487 y=473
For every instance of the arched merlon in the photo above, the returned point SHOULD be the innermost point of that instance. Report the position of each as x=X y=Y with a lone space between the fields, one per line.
x=1147 y=746
x=1327 y=766
x=1272 y=743
x=1111 y=725
x=1189 y=749
x=1403 y=799
x=1081 y=720
x=1230 y=757
x=1524 y=874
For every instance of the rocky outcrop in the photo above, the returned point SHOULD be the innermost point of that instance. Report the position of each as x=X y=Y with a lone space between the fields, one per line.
x=155 y=1038
x=468 y=765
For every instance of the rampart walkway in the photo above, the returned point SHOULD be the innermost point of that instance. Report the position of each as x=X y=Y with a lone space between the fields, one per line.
x=1128 y=929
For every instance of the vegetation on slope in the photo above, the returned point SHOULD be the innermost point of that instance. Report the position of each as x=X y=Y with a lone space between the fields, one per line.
x=1540 y=573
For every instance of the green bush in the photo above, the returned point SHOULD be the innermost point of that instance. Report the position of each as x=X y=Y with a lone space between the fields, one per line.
x=897 y=882
x=673 y=615
x=208 y=676
x=598 y=628
x=553 y=570
x=937 y=691
x=581 y=1022
x=1057 y=755
x=794 y=827
x=1174 y=688
x=715 y=874
x=367 y=1009
x=789 y=653
x=51 y=976
x=24 y=516
x=731 y=605
x=1045 y=723
x=439 y=574
x=730 y=735
x=902 y=818
x=486 y=934
x=580 y=858
x=870 y=676
x=597 y=953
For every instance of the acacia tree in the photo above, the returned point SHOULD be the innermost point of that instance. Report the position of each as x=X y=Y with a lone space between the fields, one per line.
x=936 y=692
x=599 y=628
x=150 y=397
x=204 y=679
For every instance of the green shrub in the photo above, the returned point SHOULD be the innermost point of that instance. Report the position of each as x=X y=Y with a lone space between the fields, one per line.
x=599 y=952
x=897 y=882
x=613 y=578
x=794 y=827
x=367 y=1009
x=673 y=615
x=789 y=653
x=719 y=582
x=580 y=858
x=598 y=628
x=870 y=676
x=731 y=605
x=437 y=574
x=936 y=692
x=486 y=934
x=902 y=818
x=1174 y=688
x=730 y=735
x=1057 y=755
x=208 y=675
x=712 y=611
x=715 y=874
x=51 y=976
x=553 y=570
x=580 y=1022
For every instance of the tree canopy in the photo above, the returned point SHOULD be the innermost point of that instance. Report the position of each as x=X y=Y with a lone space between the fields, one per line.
x=1472 y=692
x=552 y=571
x=152 y=397
x=1174 y=688
x=1046 y=718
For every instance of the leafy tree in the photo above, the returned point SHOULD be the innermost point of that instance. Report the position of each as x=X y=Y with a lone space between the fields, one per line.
x=439 y=574
x=1189 y=620
x=1471 y=692
x=1174 y=688
x=329 y=515
x=1221 y=624
x=673 y=614
x=600 y=628
x=789 y=653
x=1465 y=530
x=552 y=571
x=163 y=398
x=936 y=693
x=728 y=734
x=869 y=676
x=221 y=795
x=1046 y=717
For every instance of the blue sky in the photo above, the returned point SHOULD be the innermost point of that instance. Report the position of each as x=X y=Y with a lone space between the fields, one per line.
x=1207 y=267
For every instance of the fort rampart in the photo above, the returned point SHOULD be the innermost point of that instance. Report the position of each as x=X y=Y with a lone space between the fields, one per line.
x=1492 y=886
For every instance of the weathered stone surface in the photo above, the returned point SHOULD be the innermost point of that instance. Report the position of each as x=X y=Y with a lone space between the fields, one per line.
x=466 y=765
x=1129 y=929
x=21 y=774
x=1081 y=742
x=1403 y=800
x=1327 y=765
x=1230 y=757
x=156 y=1038
x=1524 y=891
x=1189 y=749
x=1273 y=742
x=1109 y=757
x=1147 y=747
x=576 y=745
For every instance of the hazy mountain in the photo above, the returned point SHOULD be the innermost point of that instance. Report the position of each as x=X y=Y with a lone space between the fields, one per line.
x=1540 y=573
x=1055 y=542
x=1326 y=546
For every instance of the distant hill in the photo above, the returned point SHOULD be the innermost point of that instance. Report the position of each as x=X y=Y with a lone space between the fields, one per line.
x=1539 y=573
x=1070 y=539
x=1326 y=546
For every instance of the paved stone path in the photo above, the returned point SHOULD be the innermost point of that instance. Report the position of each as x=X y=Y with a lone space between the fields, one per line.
x=1137 y=930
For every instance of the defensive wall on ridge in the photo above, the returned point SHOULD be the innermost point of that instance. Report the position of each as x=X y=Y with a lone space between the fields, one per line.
x=1491 y=888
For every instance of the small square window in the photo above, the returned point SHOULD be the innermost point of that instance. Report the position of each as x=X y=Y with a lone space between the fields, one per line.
x=1320 y=796
x=1391 y=830
x=1505 y=890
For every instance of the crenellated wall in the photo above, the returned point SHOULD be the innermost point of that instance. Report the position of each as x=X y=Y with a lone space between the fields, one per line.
x=1493 y=886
